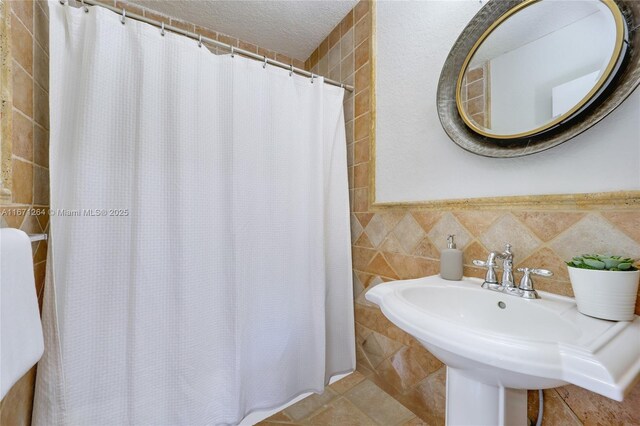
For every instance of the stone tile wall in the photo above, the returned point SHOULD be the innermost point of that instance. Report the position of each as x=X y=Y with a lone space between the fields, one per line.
x=402 y=243
x=29 y=69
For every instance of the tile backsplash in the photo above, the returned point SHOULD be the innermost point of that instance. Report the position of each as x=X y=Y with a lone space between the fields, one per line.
x=404 y=243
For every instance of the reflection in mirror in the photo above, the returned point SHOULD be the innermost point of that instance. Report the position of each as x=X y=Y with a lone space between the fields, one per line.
x=539 y=65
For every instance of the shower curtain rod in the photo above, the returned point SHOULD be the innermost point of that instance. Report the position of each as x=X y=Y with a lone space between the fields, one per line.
x=199 y=38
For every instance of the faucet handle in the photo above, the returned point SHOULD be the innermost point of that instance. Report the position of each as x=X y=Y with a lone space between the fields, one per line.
x=490 y=279
x=542 y=272
x=536 y=271
x=526 y=283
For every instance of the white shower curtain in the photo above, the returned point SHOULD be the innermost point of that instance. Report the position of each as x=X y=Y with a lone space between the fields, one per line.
x=200 y=262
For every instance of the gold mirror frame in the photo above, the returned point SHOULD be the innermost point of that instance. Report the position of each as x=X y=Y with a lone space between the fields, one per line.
x=611 y=67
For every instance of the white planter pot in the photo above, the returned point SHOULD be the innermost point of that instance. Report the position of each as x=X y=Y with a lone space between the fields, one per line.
x=607 y=295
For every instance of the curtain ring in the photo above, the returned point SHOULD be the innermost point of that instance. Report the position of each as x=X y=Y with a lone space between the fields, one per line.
x=162 y=29
x=200 y=40
x=232 y=51
x=86 y=8
x=62 y=2
x=124 y=15
x=290 y=70
x=312 y=77
x=265 y=62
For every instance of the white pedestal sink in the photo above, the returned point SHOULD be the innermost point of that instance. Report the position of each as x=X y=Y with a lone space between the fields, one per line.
x=497 y=346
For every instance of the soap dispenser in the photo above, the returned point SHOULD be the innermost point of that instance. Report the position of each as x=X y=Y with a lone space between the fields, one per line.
x=451 y=261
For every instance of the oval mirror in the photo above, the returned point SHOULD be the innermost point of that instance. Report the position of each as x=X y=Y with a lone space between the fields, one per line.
x=530 y=74
x=539 y=64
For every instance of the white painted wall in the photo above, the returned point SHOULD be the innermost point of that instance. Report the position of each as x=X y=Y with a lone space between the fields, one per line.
x=567 y=95
x=416 y=160
x=522 y=79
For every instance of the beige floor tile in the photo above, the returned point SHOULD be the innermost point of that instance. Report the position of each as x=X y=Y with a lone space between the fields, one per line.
x=378 y=405
x=341 y=412
x=279 y=417
x=307 y=406
x=416 y=421
x=594 y=409
x=343 y=385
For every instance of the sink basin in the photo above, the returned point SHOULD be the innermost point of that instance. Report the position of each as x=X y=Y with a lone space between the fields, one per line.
x=478 y=309
x=496 y=346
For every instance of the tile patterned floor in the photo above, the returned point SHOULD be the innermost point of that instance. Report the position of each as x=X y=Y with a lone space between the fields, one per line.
x=353 y=401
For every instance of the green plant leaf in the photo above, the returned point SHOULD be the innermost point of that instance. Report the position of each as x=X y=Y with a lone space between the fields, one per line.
x=602 y=262
x=594 y=263
x=610 y=263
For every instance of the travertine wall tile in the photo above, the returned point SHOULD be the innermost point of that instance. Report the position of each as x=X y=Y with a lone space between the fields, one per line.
x=448 y=225
x=627 y=221
x=428 y=399
x=594 y=234
x=22 y=90
x=473 y=251
x=22 y=136
x=41 y=25
x=477 y=222
x=547 y=225
x=23 y=10
x=508 y=230
x=546 y=258
x=22 y=181
x=40 y=146
x=21 y=41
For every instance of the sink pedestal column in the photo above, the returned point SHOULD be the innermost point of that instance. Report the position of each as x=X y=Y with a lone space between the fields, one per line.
x=471 y=402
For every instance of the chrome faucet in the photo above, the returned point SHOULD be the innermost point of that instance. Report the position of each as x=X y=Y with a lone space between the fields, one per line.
x=524 y=290
x=508 y=282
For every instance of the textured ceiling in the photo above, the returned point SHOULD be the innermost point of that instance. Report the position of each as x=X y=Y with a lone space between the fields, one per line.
x=294 y=28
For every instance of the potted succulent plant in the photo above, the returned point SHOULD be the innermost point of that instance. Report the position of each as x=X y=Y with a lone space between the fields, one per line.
x=605 y=286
